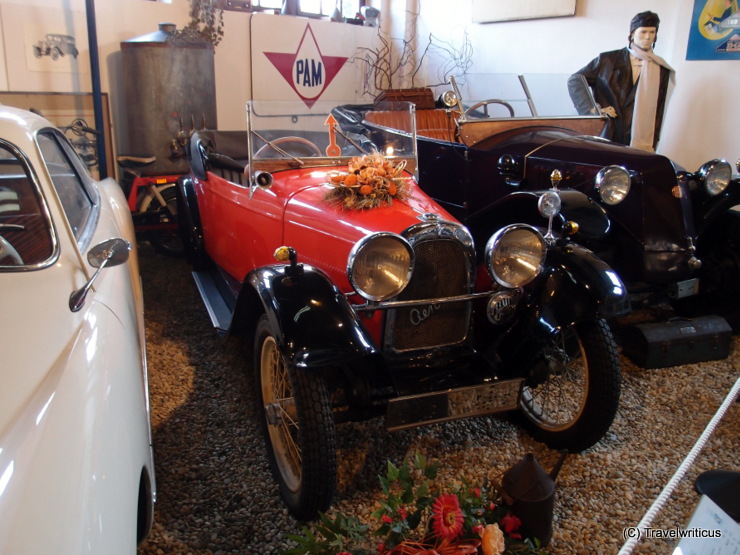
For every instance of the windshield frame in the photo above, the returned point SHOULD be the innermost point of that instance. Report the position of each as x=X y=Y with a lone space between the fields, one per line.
x=267 y=156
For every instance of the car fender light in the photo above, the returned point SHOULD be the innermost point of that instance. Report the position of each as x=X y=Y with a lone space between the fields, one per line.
x=380 y=265
x=715 y=175
x=515 y=255
x=613 y=184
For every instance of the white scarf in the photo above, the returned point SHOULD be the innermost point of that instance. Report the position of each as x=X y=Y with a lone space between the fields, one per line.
x=646 y=98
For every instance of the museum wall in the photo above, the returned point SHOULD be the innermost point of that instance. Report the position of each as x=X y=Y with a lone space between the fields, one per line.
x=699 y=119
x=702 y=118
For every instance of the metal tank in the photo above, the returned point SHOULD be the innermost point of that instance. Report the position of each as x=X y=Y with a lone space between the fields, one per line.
x=169 y=91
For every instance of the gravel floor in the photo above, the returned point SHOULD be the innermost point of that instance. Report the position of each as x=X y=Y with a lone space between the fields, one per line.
x=216 y=494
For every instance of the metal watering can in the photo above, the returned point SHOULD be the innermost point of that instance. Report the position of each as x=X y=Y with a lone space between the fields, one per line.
x=530 y=493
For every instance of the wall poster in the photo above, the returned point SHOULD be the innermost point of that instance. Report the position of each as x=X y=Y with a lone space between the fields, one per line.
x=715 y=31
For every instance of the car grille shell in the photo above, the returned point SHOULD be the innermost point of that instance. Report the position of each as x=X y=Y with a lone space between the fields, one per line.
x=443 y=268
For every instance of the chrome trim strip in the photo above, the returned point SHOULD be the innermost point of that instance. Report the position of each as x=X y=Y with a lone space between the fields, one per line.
x=397 y=304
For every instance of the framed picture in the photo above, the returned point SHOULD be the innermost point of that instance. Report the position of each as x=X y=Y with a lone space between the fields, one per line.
x=490 y=11
x=74 y=115
x=46 y=49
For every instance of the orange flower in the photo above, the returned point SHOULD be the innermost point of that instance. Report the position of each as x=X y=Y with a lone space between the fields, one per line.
x=492 y=540
x=391 y=188
x=448 y=517
x=366 y=189
x=350 y=180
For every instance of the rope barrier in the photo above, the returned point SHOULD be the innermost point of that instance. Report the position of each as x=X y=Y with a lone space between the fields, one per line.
x=630 y=544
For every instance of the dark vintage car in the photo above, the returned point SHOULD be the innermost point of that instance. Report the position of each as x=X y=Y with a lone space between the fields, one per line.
x=671 y=234
x=363 y=297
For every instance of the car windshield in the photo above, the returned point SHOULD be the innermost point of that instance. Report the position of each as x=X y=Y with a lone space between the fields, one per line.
x=504 y=95
x=289 y=135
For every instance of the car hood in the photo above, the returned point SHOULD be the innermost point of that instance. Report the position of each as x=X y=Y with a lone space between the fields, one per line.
x=323 y=231
x=572 y=148
x=539 y=151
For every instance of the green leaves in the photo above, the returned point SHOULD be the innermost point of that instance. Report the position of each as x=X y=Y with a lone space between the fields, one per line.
x=329 y=536
x=405 y=515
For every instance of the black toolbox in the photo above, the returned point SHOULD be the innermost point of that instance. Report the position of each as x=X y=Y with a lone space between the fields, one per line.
x=678 y=341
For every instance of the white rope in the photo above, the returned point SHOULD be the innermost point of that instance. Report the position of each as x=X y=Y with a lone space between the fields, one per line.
x=629 y=545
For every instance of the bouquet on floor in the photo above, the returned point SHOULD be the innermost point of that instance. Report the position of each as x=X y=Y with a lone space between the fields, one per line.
x=417 y=518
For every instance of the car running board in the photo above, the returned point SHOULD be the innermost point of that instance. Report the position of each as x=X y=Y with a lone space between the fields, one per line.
x=216 y=306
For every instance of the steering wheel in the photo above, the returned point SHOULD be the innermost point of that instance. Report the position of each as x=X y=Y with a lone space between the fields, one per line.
x=6 y=249
x=289 y=139
x=485 y=103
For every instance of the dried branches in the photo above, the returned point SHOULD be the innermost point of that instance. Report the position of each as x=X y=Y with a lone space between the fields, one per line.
x=394 y=63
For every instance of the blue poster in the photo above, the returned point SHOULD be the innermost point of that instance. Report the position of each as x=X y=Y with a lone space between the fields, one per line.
x=715 y=31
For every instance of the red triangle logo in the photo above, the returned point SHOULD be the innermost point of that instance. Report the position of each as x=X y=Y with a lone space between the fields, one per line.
x=307 y=71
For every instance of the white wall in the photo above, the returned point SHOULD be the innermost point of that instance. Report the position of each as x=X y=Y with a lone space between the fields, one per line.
x=701 y=122
x=702 y=118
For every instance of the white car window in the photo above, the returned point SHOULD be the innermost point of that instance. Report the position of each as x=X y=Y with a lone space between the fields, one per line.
x=74 y=196
x=27 y=238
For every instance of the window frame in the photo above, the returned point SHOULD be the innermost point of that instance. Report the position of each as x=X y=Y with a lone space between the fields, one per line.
x=44 y=211
x=255 y=6
x=82 y=178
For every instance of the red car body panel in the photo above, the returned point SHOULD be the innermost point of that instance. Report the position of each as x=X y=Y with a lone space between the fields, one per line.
x=242 y=233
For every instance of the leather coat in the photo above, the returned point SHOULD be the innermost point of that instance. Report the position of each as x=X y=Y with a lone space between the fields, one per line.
x=610 y=77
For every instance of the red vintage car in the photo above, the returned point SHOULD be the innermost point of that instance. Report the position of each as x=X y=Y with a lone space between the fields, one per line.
x=363 y=297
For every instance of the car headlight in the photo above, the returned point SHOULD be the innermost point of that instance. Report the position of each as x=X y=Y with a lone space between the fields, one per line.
x=380 y=266
x=515 y=255
x=613 y=184
x=716 y=176
x=549 y=204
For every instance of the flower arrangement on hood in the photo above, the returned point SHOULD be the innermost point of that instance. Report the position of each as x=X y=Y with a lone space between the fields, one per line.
x=371 y=181
x=417 y=518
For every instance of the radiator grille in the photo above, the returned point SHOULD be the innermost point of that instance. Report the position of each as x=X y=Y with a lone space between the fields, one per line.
x=441 y=270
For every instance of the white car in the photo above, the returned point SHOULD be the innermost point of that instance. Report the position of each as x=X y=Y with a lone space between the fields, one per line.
x=76 y=463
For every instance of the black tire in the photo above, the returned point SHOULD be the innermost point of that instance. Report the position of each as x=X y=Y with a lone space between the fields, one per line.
x=298 y=426
x=574 y=402
x=719 y=252
x=167 y=242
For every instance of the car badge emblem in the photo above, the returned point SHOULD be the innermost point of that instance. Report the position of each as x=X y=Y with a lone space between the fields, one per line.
x=307 y=70
x=502 y=305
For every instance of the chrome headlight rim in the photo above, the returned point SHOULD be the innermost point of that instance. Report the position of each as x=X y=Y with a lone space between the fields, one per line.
x=549 y=204
x=496 y=246
x=613 y=184
x=449 y=98
x=355 y=258
x=715 y=176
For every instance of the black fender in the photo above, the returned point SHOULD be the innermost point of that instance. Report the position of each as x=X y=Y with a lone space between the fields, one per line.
x=188 y=222
x=521 y=207
x=313 y=322
x=575 y=286
x=708 y=210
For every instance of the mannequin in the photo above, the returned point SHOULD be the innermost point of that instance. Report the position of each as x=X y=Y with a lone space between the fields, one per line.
x=630 y=85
